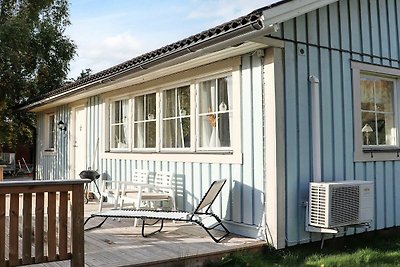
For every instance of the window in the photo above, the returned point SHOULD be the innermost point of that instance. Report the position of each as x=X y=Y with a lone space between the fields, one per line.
x=176 y=118
x=144 y=122
x=377 y=111
x=195 y=117
x=50 y=131
x=376 y=117
x=214 y=113
x=119 y=124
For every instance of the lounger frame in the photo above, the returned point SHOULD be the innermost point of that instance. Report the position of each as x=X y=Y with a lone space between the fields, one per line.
x=160 y=216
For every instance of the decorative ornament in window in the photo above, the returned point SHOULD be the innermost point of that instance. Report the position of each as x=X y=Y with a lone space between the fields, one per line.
x=212 y=118
x=366 y=130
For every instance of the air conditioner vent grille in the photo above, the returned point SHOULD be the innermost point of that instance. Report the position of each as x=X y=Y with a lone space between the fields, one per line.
x=345 y=207
x=318 y=196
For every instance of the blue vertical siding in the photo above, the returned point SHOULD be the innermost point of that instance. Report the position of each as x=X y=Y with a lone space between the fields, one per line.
x=241 y=200
x=332 y=36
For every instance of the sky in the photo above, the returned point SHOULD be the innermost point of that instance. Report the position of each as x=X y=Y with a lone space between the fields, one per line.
x=109 y=32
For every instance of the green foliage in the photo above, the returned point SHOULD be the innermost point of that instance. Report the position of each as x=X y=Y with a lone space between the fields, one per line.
x=34 y=59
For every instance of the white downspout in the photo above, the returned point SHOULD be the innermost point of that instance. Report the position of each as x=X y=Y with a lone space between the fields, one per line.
x=316 y=126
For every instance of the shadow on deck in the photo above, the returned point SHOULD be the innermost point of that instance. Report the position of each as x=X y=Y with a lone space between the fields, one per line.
x=118 y=243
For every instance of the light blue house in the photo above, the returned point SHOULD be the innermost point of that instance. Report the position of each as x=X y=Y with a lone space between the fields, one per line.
x=295 y=92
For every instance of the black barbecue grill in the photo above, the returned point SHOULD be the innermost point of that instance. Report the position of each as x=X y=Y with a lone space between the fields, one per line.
x=93 y=176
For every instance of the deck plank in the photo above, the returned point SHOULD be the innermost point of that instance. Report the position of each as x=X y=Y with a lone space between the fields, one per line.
x=118 y=243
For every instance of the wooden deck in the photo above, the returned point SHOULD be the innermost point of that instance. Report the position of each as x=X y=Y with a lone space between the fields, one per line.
x=118 y=243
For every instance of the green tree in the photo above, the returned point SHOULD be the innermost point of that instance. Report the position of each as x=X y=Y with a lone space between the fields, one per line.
x=34 y=59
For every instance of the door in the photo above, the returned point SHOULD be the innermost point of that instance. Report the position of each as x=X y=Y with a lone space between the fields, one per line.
x=79 y=142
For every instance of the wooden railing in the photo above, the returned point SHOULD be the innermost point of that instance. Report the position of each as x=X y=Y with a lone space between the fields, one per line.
x=44 y=209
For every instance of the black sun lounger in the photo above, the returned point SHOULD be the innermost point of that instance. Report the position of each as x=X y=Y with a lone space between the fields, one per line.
x=197 y=216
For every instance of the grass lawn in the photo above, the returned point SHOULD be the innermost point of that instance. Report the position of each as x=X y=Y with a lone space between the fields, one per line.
x=379 y=248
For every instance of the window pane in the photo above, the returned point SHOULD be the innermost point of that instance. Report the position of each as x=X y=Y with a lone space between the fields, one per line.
x=367 y=94
x=224 y=129
x=116 y=110
x=144 y=133
x=384 y=95
x=151 y=107
x=169 y=104
x=386 y=130
x=138 y=129
x=223 y=93
x=208 y=131
x=215 y=115
x=183 y=108
x=377 y=104
x=150 y=134
x=52 y=132
x=119 y=136
x=169 y=137
x=207 y=96
x=176 y=114
x=119 y=124
x=139 y=108
x=368 y=128
x=183 y=132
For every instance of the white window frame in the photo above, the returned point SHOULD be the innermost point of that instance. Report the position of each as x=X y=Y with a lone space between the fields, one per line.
x=128 y=134
x=156 y=120
x=374 y=152
x=47 y=128
x=161 y=130
x=233 y=154
x=197 y=85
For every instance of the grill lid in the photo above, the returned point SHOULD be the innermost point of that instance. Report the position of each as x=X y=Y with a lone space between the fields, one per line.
x=89 y=174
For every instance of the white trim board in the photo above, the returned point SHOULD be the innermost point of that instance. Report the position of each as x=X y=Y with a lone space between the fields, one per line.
x=292 y=9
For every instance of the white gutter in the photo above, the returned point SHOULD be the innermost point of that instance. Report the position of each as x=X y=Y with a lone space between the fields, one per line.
x=54 y=97
x=316 y=128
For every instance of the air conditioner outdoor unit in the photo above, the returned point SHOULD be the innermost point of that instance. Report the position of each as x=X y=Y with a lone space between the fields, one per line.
x=335 y=204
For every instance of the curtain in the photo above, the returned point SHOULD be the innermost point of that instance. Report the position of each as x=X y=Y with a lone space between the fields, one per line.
x=124 y=127
x=168 y=121
x=139 y=126
x=205 y=106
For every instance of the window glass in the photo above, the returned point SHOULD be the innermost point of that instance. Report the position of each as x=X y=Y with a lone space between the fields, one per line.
x=176 y=118
x=51 y=131
x=215 y=113
x=377 y=111
x=144 y=124
x=119 y=124
x=193 y=117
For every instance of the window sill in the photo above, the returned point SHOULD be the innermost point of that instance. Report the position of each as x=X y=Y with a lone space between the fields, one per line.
x=381 y=149
x=378 y=154
x=201 y=157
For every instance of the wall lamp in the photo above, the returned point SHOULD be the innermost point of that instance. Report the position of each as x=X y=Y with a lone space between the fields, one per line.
x=62 y=126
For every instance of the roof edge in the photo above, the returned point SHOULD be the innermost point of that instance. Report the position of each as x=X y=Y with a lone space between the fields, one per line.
x=286 y=10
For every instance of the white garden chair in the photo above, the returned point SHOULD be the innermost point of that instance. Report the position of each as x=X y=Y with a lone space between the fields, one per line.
x=130 y=189
x=148 y=195
x=110 y=192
